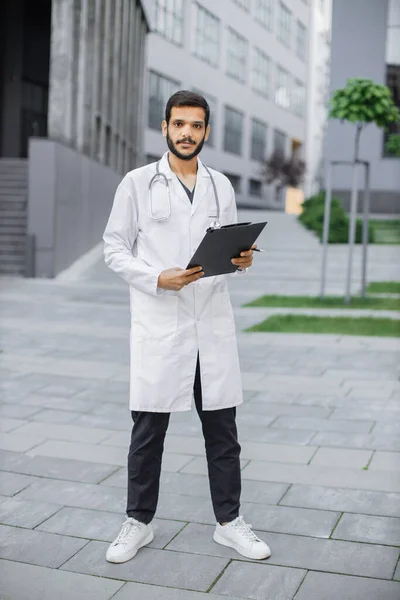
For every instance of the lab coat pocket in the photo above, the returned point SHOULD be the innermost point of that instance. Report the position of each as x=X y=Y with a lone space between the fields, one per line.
x=156 y=317
x=223 y=322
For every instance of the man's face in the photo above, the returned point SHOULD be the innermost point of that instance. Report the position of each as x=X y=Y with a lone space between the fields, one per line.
x=186 y=131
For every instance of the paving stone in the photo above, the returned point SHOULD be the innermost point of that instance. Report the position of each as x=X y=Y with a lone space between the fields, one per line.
x=332 y=477
x=17 y=411
x=152 y=592
x=56 y=468
x=331 y=587
x=21 y=581
x=376 y=413
x=298 y=551
x=22 y=545
x=103 y=526
x=351 y=426
x=64 y=432
x=7 y=424
x=25 y=513
x=278 y=436
x=386 y=461
x=185 y=508
x=12 y=483
x=18 y=443
x=76 y=494
x=338 y=457
x=73 y=405
x=344 y=500
x=296 y=521
x=397 y=572
x=291 y=410
x=365 y=441
x=366 y=528
x=55 y=416
x=158 y=567
x=259 y=582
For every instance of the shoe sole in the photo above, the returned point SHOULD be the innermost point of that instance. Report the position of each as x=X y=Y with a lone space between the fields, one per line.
x=133 y=553
x=223 y=542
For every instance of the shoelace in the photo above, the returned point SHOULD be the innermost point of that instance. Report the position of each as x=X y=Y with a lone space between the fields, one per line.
x=246 y=530
x=128 y=527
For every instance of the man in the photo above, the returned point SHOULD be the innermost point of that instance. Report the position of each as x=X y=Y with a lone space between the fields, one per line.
x=182 y=341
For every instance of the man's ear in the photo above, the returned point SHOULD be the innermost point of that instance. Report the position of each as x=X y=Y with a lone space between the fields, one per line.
x=164 y=128
x=208 y=129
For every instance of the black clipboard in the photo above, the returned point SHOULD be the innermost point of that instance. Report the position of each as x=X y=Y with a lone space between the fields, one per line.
x=219 y=246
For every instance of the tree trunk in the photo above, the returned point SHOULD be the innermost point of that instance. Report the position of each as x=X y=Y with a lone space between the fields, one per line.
x=357 y=142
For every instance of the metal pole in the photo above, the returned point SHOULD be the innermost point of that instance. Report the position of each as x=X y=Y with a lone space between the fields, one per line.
x=365 y=233
x=325 y=234
x=352 y=229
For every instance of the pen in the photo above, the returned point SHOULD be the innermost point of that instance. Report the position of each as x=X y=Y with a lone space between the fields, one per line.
x=258 y=250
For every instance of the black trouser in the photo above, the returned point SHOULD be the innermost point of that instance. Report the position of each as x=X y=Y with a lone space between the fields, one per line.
x=222 y=451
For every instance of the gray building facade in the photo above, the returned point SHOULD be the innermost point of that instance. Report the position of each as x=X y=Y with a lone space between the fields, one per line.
x=366 y=43
x=71 y=122
x=249 y=58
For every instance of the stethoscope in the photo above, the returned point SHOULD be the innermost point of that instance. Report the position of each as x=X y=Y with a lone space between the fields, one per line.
x=215 y=224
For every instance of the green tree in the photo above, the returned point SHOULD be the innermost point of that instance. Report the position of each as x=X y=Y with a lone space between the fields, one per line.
x=393 y=144
x=362 y=102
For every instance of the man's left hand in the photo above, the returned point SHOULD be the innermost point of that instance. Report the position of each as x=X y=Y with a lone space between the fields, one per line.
x=245 y=260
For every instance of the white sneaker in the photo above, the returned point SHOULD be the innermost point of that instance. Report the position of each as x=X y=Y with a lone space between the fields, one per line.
x=239 y=535
x=133 y=535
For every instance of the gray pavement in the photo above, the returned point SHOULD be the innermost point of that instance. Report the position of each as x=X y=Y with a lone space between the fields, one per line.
x=319 y=431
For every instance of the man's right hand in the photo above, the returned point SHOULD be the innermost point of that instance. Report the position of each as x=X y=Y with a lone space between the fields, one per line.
x=176 y=278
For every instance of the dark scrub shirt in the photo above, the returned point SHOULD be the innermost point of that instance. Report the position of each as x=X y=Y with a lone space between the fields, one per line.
x=190 y=194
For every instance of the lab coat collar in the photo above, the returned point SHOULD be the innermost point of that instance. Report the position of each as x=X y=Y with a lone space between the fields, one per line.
x=168 y=172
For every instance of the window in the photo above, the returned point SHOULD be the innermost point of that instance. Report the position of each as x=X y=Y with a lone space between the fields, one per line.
x=235 y=181
x=258 y=140
x=263 y=12
x=282 y=89
x=279 y=141
x=301 y=41
x=255 y=188
x=206 y=36
x=168 y=19
x=298 y=98
x=393 y=83
x=212 y=103
x=284 y=24
x=243 y=4
x=237 y=56
x=160 y=90
x=233 y=131
x=260 y=72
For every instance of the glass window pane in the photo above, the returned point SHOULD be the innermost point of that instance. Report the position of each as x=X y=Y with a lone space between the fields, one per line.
x=237 y=55
x=263 y=12
x=206 y=43
x=260 y=72
x=233 y=131
x=258 y=140
x=284 y=24
x=160 y=90
x=168 y=19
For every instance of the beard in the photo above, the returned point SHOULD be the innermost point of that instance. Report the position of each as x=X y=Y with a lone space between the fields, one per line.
x=173 y=148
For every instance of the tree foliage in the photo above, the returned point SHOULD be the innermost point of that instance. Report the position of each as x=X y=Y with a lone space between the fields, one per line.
x=393 y=144
x=284 y=172
x=363 y=101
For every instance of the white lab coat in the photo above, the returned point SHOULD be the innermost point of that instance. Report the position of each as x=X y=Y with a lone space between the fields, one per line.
x=170 y=328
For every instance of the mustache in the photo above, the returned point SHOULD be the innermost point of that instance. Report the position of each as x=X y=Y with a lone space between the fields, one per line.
x=188 y=141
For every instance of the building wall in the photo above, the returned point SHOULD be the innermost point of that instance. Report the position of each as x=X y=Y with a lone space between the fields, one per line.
x=318 y=92
x=359 y=34
x=96 y=79
x=180 y=64
x=69 y=201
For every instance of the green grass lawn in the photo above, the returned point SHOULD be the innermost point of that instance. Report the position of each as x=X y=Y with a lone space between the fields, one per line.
x=386 y=231
x=335 y=325
x=327 y=302
x=384 y=287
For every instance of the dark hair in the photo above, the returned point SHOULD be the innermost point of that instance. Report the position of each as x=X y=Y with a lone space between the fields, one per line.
x=186 y=98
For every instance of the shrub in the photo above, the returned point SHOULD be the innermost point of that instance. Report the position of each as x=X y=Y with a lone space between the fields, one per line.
x=312 y=217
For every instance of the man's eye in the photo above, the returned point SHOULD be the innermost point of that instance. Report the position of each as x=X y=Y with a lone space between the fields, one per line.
x=198 y=126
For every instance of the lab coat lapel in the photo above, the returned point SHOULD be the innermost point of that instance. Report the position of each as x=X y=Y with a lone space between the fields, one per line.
x=202 y=185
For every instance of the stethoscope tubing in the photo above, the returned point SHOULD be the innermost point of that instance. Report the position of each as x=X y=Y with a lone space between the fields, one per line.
x=158 y=174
